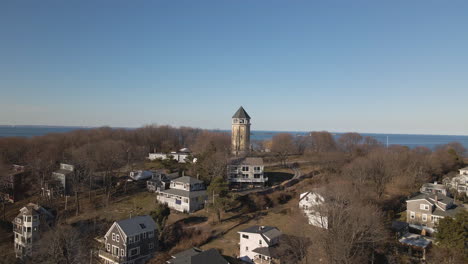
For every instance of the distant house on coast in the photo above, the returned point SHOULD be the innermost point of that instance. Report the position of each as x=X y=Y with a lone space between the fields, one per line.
x=11 y=184
x=182 y=156
x=185 y=194
x=246 y=173
x=130 y=241
x=458 y=183
x=434 y=188
x=60 y=182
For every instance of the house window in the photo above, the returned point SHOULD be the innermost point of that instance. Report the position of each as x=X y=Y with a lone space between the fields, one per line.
x=134 y=251
x=117 y=238
x=185 y=200
x=108 y=247
x=137 y=238
x=150 y=245
x=256 y=168
x=122 y=252
x=115 y=250
x=144 y=235
x=245 y=236
x=113 y=237
x=246 y=248
x=424 y=217
x=245 y=168
x=412 y=215
x=150 y=234
x=257 y=176
x=142 y=226
x=245 y=176
x=130 y=240
x=260 y=242
x=424 y=207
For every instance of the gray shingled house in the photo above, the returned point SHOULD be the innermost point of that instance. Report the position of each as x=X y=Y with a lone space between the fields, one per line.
x=426 y=209
x=130 y=241
x=27 y=228
x=198 y=256
x=186 y=194
x=246 y=172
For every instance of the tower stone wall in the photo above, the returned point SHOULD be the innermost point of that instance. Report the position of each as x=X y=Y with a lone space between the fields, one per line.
x=240 y=139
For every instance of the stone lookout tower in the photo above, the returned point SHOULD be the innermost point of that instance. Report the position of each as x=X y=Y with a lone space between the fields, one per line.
x=240 y=141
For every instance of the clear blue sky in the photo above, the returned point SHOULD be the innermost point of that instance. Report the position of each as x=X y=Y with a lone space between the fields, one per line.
x=367 y=66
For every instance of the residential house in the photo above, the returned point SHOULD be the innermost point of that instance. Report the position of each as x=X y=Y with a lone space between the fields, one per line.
x=198 y=256
x=246 y=173
x=130 y=241
x=10 y=184
x=181 y=156
x=311 y=203
x=435 y=188
x=186 y=194
x=459 y=182
x=160 y=181
x=257 y=242
x=27 y=227
x=426 y=209
x=60 y=183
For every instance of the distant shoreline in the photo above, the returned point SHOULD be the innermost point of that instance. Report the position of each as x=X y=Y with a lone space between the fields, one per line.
x=228 y=130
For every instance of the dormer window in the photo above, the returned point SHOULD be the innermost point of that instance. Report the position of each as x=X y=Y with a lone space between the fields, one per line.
x=424 y=207
x=142 y=226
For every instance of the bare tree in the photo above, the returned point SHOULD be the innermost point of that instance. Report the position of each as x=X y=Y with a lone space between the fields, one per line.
x=355 y=228
x=62 y=245
x=283 y=146
x=350 y=142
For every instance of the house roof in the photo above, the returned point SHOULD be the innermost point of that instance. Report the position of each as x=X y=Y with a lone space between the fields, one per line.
x=184 y=193
x=33 y=209
x=136 y=225
x=241 y=113
x=449 y=212
x=187 y=179
x=431 y=198
x=414 y=240
x=268 y=232
x=254 y=161
x=197 y=256
x=272 y=252
x=433 y=185
x=399 y=226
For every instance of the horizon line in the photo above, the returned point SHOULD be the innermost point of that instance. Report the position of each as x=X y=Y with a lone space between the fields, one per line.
x=219 y=129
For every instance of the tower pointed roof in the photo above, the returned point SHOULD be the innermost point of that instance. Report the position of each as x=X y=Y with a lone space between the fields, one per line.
x=241 y=113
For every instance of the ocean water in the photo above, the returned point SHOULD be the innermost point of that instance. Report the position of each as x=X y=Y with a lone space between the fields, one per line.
x=411 y=140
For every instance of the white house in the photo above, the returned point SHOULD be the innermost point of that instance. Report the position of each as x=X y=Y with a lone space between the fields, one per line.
x=186 y=194
x=182 y=156
x=309 y=202
x=459 y=182
x=434 y=188
x=255 y=241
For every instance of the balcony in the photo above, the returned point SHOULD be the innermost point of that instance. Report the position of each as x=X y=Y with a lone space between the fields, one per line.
x=106 y=255
x=259 y=260
x=253 y=180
